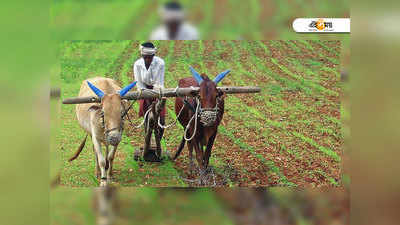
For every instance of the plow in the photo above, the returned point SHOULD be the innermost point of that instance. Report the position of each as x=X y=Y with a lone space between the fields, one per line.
x=166 y=93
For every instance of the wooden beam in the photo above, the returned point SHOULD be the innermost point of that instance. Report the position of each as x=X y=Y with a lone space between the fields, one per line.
x=168 y=92
x=81 y=100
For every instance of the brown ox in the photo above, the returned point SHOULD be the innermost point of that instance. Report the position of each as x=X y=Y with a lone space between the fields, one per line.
x=102 y=121
x=210 y=112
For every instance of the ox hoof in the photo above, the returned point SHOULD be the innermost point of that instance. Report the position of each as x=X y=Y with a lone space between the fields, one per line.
x=192 y=168
x=109 y=179
x=151 y=156
x=138 y=154
x=103 y=182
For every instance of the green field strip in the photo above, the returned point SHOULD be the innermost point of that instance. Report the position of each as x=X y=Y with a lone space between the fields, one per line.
x=314 y=64
x=276 y=124
x=264 y=47
x=325 y=150
x=293 y=46
x=306 y=44
x=270 y=164
x=285 y=82
x=297 y=66
x=113 y=69
x=303 y=81
x=288 y=107
x=90 y=63
x=279 y=125
x=291 y=84
x=268 y=134
x=327 y=48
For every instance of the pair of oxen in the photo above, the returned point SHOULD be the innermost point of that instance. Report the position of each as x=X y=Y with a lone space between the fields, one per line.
x=103 y=121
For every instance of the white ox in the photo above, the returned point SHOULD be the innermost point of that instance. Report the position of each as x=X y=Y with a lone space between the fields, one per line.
x=102 y=121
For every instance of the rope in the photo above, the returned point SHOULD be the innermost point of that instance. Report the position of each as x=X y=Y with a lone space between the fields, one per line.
x=195 y=123
x=173 y=123
x=142 y=123
x=147 y=112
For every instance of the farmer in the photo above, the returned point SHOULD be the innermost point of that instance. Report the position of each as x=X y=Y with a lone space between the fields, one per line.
x=149 y=74
x=174 y=26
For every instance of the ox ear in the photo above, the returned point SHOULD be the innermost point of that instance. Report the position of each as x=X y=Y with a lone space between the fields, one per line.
x=196 y=75
x=97 y=91
x=221 y=76
x=126 y=89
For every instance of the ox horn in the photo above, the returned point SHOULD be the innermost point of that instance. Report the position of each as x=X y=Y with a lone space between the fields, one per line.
x=126 y=89
x=97 y=91
x=196 y=75
x=221 y=76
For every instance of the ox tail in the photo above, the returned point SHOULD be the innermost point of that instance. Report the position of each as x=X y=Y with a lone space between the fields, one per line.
x=79 y=150
x=180 y=148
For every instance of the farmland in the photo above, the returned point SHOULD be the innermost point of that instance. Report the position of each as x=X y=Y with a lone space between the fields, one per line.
x=290 y=134
x=215 y=19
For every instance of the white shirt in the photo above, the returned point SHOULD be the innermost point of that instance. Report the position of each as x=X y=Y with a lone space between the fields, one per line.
x=185 y=32
x=154 y=76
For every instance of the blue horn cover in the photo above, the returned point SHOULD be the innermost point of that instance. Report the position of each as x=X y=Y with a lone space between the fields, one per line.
x=126 y=89
x=196 y=75
x=221 y=76
x=97 y=91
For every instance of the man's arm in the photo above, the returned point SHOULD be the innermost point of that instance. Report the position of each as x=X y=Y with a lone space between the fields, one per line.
x=138 y=77
x=160 y=75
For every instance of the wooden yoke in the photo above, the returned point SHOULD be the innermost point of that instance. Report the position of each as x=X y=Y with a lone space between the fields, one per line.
x=168 y=92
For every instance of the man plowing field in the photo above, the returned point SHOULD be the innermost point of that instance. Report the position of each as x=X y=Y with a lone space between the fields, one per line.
x=149 y=74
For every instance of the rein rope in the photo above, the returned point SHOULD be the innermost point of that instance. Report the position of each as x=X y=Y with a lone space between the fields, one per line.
x=207 y=116
x=195 y=123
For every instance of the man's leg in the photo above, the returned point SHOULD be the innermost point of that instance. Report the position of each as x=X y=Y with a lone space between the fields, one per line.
x=162 y=121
